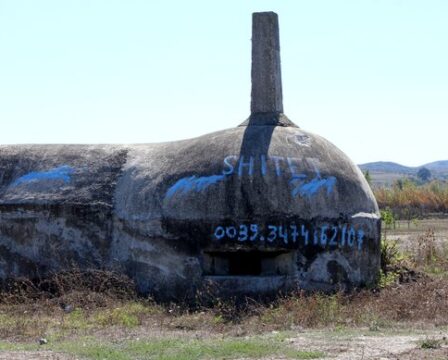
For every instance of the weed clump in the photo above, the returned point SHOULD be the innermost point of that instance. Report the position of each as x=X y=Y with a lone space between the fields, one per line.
x=431 y=343
x=75 y=286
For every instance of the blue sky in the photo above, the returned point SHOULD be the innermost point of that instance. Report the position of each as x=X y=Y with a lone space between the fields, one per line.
x=369 y=75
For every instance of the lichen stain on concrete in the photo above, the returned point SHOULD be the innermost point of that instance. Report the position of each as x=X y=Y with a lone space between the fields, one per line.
x=329 y=270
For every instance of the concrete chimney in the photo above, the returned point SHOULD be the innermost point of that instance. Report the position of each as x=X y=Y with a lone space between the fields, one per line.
x=266 y=96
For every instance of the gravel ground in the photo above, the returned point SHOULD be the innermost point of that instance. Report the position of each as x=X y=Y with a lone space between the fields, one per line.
x=34 y=355
x=337 y=346
x=364 y=347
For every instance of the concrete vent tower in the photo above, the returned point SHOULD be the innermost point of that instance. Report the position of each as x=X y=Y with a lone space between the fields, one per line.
x=266 y=74
x=252 y=210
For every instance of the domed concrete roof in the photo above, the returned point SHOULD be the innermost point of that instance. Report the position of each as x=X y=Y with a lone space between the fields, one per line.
x=244 y=172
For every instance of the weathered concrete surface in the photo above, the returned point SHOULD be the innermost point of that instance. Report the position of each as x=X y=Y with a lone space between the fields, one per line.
x=256 y=209
x=153 y=210
x=266 y=95
x=56 y=206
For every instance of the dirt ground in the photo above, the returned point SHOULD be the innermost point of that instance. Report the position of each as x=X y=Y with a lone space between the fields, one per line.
x=33 y=355
x=407 y=233
x=336 y=345
x=379 y=346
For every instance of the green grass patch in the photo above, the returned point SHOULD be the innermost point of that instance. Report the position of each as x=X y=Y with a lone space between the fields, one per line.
x=25 y=322
x=175 y=348
x=9 y=346
x=431 y=343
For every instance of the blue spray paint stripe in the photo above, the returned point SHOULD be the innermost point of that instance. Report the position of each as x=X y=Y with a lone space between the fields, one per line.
x=59 y=173
x=193 y=183
x=311 y=188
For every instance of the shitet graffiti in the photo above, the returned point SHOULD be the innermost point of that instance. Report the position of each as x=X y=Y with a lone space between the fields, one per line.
x=257 y=209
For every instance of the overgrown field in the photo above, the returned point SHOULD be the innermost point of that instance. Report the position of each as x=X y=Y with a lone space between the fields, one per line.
x=97 y=315
x=409 y=200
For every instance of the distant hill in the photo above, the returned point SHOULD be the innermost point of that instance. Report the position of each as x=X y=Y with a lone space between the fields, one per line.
x=441 y=165
x=384 y=173
x=386 y=166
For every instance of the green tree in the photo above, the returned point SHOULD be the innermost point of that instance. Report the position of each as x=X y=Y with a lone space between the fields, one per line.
x=424 y=174
x=368 y=177
x=388 y=218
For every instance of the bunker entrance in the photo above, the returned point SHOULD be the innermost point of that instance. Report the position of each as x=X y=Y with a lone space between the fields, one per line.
x=248 y=263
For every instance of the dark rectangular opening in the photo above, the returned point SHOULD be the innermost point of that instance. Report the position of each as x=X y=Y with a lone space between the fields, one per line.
x=248 y=263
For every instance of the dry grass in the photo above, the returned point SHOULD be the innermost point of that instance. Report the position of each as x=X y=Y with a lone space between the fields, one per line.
x=83 y=287
x=410 y=200
x=424 y=301
x=102 y=303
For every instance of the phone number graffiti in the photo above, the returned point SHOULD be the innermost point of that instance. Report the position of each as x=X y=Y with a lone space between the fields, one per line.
x=342 y=235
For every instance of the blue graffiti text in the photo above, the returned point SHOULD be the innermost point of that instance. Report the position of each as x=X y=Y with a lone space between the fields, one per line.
x=325 y=235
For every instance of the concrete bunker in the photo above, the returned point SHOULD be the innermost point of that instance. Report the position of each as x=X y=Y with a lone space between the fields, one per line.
x=255 y=209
